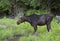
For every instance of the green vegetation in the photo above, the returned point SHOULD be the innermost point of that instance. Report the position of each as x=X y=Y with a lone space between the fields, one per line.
x=38 y=12
x=9 y=28
x=14 y=6
x=10 y=31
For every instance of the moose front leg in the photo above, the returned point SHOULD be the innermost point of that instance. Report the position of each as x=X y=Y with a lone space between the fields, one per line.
x=35 y=29
x=48 y=27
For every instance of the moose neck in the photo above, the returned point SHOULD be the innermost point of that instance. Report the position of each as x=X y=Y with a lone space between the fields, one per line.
x=27 y=19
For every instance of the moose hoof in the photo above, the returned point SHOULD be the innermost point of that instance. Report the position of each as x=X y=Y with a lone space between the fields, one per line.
x=35 y=33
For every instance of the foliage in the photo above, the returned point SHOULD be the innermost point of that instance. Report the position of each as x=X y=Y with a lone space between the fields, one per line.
x=4 y=5
x=11 y=5
x=29 y=12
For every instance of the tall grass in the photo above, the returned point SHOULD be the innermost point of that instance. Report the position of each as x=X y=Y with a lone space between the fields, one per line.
x=9 y=28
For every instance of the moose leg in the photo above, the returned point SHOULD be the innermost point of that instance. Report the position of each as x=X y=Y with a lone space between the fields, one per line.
x=48 y=27
x=35 y=29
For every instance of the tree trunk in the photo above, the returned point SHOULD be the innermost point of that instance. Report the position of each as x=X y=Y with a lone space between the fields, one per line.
x=15 y=10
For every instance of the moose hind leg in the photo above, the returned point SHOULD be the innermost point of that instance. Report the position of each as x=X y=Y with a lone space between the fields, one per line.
x=35 y=29
x=48 y=27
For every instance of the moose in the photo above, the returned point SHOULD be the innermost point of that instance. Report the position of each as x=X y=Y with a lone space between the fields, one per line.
x=40 y=20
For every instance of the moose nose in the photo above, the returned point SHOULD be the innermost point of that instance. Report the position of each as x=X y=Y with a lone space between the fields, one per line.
x=18 y=23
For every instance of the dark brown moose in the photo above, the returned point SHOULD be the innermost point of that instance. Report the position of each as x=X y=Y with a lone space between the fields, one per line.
x=34 y=20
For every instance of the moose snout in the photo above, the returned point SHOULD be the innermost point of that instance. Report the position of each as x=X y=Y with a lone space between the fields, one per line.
x=18 y=23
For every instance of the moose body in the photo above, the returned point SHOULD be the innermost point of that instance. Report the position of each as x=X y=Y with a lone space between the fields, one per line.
x=34 y=20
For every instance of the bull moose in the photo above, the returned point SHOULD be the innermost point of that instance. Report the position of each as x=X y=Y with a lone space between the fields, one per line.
x=34 y=20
